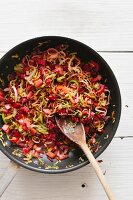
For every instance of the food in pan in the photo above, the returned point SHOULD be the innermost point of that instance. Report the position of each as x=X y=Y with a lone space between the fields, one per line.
x=45 y=84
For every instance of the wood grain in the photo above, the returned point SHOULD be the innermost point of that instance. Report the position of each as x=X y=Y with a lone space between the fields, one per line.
x=103 y=25
x=117 y=166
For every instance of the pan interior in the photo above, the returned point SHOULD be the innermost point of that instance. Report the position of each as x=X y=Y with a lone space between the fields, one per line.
x=76 y=158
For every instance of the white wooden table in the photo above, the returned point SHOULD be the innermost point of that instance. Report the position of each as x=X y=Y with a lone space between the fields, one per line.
x=106 y=26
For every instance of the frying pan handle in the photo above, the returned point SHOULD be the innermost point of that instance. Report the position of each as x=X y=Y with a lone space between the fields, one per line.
x=8 y=176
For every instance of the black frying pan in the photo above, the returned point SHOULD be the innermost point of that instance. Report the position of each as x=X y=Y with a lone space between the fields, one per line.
x=76 y=158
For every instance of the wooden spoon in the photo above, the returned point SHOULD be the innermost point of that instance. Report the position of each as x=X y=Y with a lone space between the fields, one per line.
x=76 y=133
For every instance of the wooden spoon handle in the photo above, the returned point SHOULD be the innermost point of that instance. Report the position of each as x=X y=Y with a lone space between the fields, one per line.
x=98 y=171
x=8 y=176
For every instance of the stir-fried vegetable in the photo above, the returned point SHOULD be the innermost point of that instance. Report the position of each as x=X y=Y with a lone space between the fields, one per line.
x=48 y=83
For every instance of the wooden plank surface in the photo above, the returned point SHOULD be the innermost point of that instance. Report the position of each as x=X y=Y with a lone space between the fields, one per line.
x=103 y=25
x=106 y=26
x=117 y=164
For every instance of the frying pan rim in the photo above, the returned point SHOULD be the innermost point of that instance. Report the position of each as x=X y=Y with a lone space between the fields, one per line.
x=100 y=151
